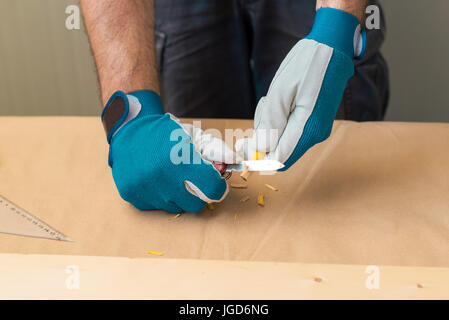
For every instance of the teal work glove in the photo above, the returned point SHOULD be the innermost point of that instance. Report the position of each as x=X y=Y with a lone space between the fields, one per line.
x=157 y=162
x=302 y=101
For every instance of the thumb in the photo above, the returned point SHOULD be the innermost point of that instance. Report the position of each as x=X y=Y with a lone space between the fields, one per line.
x=266 y=128
x=245 y=148
x=211 y=148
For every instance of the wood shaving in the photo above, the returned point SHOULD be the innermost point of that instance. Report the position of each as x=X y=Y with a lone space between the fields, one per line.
x=244 y=199
x=317 y=279
x=258 y=155
x=239 y=185
x=260 y=200
x=271 y=187
x=155 y=253
x=245 y=174
x=175 y=217
x=210 y=206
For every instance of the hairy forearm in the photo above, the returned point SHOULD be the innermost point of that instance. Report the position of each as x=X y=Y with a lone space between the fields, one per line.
x=355 y=7
x=121 y=34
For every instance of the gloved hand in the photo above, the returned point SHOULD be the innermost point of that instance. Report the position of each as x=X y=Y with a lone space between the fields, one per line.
x=302 y=101
x=157 y=162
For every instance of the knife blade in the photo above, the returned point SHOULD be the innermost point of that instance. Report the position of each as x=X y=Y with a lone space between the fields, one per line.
x=256 y=165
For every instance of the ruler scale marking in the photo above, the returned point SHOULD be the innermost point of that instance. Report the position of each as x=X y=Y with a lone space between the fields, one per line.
x=17 y=221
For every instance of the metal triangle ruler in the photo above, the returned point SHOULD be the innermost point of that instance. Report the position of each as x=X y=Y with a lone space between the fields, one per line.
x=17 y=221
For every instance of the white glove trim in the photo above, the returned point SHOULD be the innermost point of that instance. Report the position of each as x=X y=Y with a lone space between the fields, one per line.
x=193 y=189
x=134 y=110
x=199 y=138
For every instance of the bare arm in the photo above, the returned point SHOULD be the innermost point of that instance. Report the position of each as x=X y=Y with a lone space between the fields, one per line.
x=121 y=34
x=355 y=7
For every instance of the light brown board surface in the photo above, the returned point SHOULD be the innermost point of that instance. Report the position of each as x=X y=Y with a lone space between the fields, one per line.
x=75 y=277
x=375 y=193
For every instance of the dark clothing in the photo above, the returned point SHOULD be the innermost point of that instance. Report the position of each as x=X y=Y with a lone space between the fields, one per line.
x=217 y=57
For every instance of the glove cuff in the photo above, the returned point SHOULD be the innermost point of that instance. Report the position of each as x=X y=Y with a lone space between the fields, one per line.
x=150 y=101
x=122 y=108
x=339 y=30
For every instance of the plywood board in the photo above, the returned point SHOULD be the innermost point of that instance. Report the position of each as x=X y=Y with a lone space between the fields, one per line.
x=75 y=277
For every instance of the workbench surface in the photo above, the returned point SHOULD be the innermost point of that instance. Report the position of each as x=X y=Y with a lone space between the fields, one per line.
x=374 y=193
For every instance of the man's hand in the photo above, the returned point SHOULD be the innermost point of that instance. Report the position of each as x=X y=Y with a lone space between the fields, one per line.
x=302 y=101
x=157 y=162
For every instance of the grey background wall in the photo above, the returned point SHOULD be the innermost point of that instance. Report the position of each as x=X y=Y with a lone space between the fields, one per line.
x=48 y=70
x=45 y=69
x=417 y=51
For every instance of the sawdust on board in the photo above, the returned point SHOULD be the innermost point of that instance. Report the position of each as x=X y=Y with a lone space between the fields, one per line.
x=269 y=186
x=156 y=253
x=175 y=217
x=239 y=185
x=260 y=199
